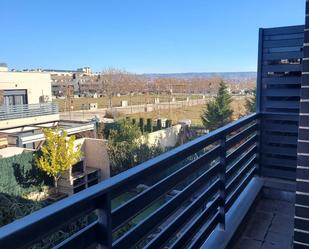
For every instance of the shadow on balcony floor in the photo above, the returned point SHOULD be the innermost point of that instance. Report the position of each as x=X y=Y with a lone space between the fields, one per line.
x=270 y=226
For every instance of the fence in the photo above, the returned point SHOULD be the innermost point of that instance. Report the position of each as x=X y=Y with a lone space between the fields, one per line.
x=279 y=84
x=195 y=185
x=27 y=111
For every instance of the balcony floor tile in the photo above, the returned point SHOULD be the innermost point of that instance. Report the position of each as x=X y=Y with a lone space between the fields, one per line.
x=270 y=226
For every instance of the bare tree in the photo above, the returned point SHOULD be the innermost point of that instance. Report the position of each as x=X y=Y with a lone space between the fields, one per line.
x=116 y=81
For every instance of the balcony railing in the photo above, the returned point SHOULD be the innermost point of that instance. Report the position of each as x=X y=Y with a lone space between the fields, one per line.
x=176 y=199
x=27 y=111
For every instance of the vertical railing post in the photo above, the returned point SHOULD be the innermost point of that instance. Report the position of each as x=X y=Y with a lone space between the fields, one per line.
x=222 y=176
x=104 y=235
x=259 y=146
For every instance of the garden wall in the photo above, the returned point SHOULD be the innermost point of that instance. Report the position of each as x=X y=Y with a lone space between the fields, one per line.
x=165 y=138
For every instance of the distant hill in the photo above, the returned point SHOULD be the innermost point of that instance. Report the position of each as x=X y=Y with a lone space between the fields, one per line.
x=238 y=76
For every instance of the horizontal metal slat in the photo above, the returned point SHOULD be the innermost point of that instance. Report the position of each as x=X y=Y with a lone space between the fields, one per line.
x=139 y=202
x=230 y=201
x=284 y=30
x=277 y=150
x=279 y=128
x=237 y=165
x=283 y=43
x=205 y=232
x=84 y=238
x=47 y=221
x=280 y=139
x=283 y=55
x=168 y=231
x=241 y=149
x=281 y=116
x=284 y=104
x=134 y=235
x=282 y=162
x=241 y=135
x=282 y=68
x=282 y=92
x=278 y=173
x=282 y=81
x=194 y=227
x=302 y=237
x=244 y=170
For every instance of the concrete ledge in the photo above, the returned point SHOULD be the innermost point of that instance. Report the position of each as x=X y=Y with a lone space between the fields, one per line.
x=28 y=121
x=234 y=217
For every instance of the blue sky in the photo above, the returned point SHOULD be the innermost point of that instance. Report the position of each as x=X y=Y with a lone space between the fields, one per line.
x=142 y=36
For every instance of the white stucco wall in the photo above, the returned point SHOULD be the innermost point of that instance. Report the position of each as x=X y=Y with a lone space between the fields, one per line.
x=95 y=153
x=165 y=138
x=36 y=84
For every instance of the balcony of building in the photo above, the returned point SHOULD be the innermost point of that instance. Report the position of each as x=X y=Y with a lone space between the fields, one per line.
x=232 y=188
x=197 y=195
x=12 y=116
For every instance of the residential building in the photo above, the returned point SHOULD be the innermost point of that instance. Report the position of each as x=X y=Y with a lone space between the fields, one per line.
x=26 y=108
x=25 y=99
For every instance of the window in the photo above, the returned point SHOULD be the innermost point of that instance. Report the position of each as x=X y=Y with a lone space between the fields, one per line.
x=15 y=97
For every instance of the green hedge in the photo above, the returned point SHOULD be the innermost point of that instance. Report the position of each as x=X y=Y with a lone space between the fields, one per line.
x=14 y=207
x=19 y=175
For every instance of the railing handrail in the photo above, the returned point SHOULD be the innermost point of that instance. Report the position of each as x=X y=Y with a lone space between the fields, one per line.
x=84 y=200
x=27 y=110
x=28 y=105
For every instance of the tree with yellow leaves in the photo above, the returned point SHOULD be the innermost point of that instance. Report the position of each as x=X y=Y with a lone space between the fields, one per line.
x=58 y=154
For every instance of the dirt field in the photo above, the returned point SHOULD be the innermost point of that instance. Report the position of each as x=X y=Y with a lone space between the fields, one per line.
x=191 y=112
x=103 y=102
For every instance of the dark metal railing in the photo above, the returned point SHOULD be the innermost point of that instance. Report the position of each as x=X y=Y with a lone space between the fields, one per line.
x=27 y=110
x=176 y=199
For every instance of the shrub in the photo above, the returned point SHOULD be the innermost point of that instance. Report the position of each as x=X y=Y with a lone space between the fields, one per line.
x=149 y=125
x=125 y=148
x=19 y=175
x=141 y=124
x=13 y=208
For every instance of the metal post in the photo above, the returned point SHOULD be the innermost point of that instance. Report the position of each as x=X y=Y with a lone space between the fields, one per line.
x=259 y=146
x=104 y=234
x=222 y=176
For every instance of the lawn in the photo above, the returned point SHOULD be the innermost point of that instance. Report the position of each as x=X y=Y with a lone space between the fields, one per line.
x=145 y=213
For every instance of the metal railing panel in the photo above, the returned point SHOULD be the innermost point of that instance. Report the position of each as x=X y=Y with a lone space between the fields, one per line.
x=127 y=210
x=241 y=173
x=230 y=200
x=196 y=224
x=171 y=229
x=240 y=162
x=98 y=197
x=28 y=110
x=146 y=225
x=84 y=238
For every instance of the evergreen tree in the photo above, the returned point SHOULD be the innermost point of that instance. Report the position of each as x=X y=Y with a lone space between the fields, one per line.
x=218 y=112
x=251 y=103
